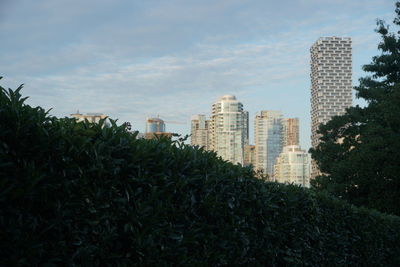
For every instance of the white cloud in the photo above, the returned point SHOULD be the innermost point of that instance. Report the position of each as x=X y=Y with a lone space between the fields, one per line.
x=174 y=58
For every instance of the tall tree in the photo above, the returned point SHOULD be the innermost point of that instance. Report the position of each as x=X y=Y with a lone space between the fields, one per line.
x=359 y=152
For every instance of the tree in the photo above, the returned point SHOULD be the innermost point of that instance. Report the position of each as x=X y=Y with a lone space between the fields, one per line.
x=80 y=194
x=359 y=152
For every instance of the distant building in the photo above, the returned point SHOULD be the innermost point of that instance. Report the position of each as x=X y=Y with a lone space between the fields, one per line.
x=200 y=132
x=155 y=128
x=246 y=127
x=228 y=129
x=293 y=166
x=155 y=125
x=156 y=135
x=249 y=155
x=290 y=132
x=268 y=139
x=91 y=117
x=331 y=83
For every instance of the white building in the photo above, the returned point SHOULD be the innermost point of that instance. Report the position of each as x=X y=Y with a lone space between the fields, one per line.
x=91 y=117
x=293 y=166
x=267 y=139
x=200 y=131
x=331 y=83
x=228 y=129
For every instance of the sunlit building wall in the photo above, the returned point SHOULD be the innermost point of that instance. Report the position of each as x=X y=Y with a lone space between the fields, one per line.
x=91 y=117
x=290 y=132
x=249 y=155
x=157 y=135
x=293 y=166
x=228 y=129
x=200 y=131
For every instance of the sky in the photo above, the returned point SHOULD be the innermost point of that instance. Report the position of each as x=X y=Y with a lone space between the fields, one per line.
x=132 y=59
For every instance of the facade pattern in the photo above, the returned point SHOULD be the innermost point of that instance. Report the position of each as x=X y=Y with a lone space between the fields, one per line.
x=331 y=83
x=290 y=132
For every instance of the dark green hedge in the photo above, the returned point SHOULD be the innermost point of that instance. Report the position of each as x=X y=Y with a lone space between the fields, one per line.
x=81 y=194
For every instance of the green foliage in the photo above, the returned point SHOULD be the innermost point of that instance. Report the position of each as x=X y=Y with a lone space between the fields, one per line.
x=359 y=151
x=76 y=193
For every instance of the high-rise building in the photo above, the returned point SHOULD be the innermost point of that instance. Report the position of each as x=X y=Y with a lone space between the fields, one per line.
x=293 y=166
x=228 y=128
x=268 y=139
x=249 y=155
x=246 y=127
x=331 y=83
x=290 y=132
x=200 y=131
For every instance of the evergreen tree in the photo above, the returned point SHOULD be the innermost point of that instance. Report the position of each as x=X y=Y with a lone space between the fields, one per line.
x=359 y=152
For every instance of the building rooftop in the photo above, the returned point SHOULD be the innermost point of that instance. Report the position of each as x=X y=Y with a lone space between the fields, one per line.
x=227 y=97
x=154 y=120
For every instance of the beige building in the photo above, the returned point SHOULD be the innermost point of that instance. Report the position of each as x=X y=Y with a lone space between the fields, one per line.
x=200 y=131
x=249 y=155
x=228 y=129
x=267 y=139
x=91 y=117
x=331 y=83
x=155 y=135
x=290 y=132
x=293 y=166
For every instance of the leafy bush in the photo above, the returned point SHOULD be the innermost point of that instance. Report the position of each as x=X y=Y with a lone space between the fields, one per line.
x=82 y=194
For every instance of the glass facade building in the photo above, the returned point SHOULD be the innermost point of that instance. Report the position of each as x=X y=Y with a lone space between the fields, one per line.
x=268 y=139
x=155 y=125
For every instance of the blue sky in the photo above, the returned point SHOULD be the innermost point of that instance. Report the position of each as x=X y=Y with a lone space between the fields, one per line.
x=131 y=59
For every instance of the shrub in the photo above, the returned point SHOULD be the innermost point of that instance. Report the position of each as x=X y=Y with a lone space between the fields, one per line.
x=76 y=193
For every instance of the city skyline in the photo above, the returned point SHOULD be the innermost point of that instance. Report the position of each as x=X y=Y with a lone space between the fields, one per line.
x=132 y=60
x=226 y=133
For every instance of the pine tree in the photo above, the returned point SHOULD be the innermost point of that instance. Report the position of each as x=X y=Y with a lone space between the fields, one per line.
x=359 y=152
